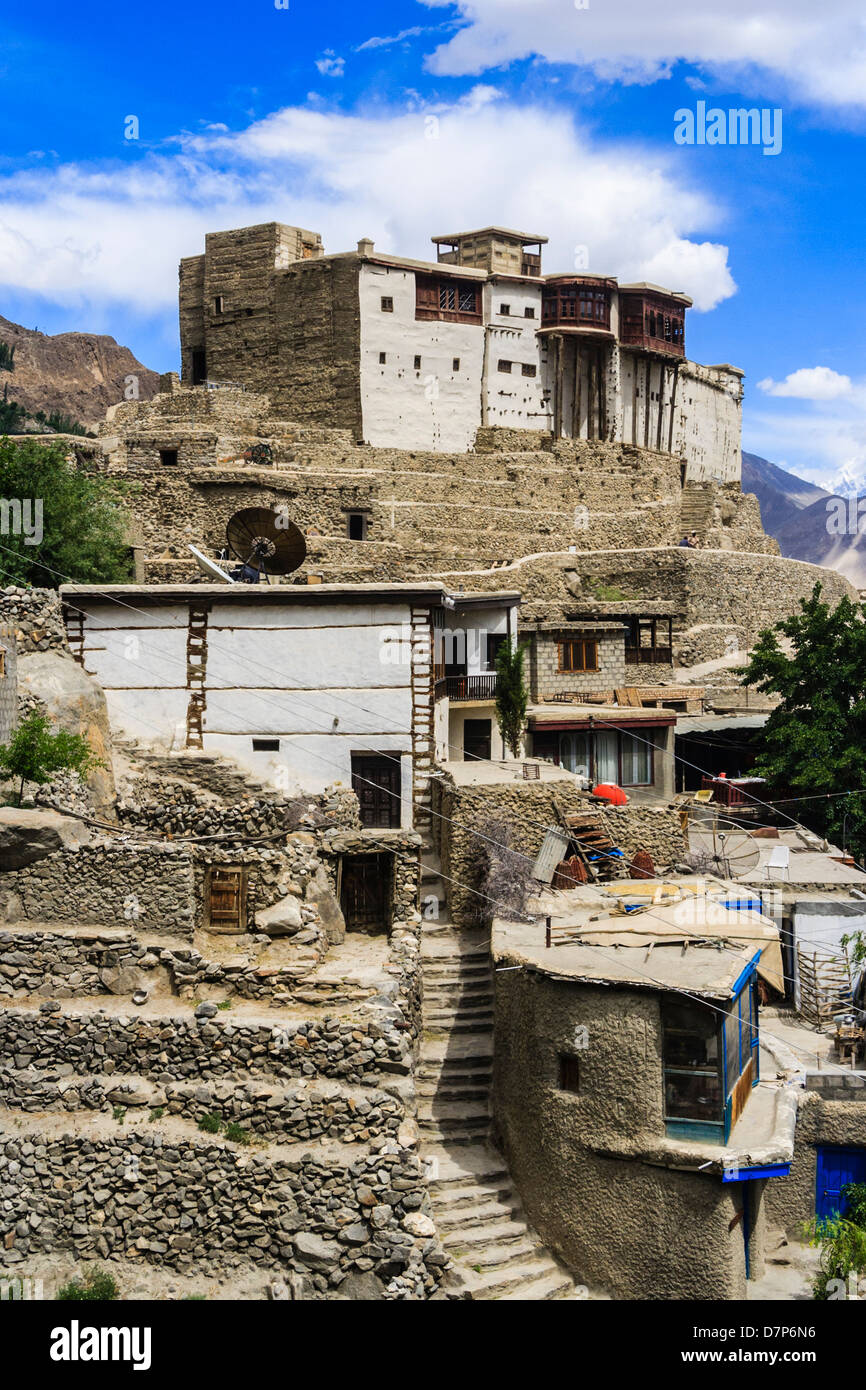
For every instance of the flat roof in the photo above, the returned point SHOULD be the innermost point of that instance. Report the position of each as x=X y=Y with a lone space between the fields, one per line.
x=556 y=714
x=274 y=593
x=525 y=238
x=650 y=288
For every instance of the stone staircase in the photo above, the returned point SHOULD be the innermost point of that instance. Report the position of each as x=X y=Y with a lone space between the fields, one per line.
x=477 y=1211
x=696 y=509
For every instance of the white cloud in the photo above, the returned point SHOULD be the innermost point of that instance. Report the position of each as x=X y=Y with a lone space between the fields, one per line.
x=818 y=54
x=822 y=439
x=96 y=234
x=330 y=65
x=809 y=384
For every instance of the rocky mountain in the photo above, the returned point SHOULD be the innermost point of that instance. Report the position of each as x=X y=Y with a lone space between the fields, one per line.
x=74 y=374
x=809 y=522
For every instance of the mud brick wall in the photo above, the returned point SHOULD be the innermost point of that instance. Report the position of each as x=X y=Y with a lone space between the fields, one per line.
x=832 y=1110
x=318 y=335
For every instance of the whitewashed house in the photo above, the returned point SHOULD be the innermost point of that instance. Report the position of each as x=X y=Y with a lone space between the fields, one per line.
x=304 y=685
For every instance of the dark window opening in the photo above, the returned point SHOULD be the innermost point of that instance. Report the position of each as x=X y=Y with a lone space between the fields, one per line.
x=503 y=365
x=356 y=526
x=199 y=367
x=495 y=643
x=417 y=364
x=528 y=369
x=168 y=457
x=447 y=299
x=476 y=740
x=266 y=745
x=529 y=312
x=505 y=309
x=569 y=1073
x=455 y=364
x=218 y=304
x=383 y=358
x=387 y=304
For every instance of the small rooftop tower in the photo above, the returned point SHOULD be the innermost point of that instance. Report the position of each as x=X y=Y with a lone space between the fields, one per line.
x=498 y=250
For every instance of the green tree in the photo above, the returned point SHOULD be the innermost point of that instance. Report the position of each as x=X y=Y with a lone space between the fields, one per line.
x=512 y=696
x=815 y=739
x=842 y=1239
x=7 y=358
x=34 y=754
x=82 y=531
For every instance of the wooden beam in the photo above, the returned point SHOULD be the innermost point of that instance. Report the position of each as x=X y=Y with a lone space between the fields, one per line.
x=673 y=407
x=599 y=357
x=662 y=376
x=575 y=404
x=646 y=404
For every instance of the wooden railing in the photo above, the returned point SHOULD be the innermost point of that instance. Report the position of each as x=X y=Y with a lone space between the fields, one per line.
x=470 y=687
x=648 y=656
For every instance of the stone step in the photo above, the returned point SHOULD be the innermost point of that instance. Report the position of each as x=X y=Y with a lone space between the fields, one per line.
x=498 y=1282
x=556 y=1285
x=458 y=1092
x=452 y=1110
x=464 y=1208
x=498 y=1258
x=472 y=1236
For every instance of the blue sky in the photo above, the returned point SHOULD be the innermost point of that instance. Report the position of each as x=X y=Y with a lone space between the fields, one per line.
x=399 y=120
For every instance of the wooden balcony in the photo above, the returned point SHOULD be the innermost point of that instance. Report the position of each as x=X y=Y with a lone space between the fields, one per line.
x=648 y=656
x=467 y=687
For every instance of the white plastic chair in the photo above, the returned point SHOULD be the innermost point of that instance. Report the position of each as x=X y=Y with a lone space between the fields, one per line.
x=780 y=859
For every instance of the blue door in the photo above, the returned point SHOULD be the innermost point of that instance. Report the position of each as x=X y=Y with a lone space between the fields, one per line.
x=836 y=1167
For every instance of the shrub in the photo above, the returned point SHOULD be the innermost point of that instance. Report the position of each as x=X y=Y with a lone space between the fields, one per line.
x=95 y=1286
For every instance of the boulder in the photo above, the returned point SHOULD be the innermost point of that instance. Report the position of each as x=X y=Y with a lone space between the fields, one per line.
x=321 y=896
x=282 y=918
x=28 y=836
x=314 y=1252
x=73 y=701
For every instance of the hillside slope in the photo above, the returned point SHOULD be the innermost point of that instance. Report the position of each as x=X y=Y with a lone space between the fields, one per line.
x=77 y=374
x=798 y=514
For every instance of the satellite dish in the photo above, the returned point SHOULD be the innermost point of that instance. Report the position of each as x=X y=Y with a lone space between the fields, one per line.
x=731 y=850
x=210 y=567
x=265 y=543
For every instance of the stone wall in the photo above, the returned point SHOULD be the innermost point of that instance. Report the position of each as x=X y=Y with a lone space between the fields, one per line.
x=529 y=809
x=363 y=1049
x=8 y=680
x=106 y=883
x=34 y=617
x=185 y=1201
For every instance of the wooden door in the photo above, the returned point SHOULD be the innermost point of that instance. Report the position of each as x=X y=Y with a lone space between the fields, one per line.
x=376 y=783
x=365 y=892
x=226 y=898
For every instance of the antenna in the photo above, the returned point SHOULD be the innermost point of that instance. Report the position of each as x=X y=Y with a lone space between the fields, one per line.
x=730 y=849
x=210 y=567
x=265 y=542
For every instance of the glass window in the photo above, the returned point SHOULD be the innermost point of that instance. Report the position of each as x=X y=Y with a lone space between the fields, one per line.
x=637 y=766
x=606 y=759
x=574 y=753
x=692 y=1076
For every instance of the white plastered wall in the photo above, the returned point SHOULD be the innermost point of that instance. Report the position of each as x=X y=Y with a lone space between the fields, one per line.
x=435 y=407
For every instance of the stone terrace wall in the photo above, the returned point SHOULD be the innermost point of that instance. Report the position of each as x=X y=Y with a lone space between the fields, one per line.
x=182 y=1201
x=528 y=809
x=359 y=1050
x=105 y=884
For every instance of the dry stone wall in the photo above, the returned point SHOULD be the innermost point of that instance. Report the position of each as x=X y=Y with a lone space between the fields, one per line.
x=528 y=810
